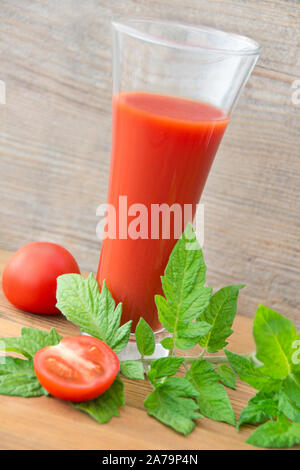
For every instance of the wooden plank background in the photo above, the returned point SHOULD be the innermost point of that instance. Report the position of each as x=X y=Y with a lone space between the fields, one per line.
x=55 y=137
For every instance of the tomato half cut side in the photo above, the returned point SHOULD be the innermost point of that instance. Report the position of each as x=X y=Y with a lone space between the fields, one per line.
x=78 y=369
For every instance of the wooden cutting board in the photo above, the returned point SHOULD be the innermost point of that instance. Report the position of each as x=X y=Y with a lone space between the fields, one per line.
x=47 y=423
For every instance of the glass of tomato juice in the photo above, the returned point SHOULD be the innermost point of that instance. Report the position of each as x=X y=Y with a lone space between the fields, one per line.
x=174 y=88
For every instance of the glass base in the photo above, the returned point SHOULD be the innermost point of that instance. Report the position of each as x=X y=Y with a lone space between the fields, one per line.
x=131 y=352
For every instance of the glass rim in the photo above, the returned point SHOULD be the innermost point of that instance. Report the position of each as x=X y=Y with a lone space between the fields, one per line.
x=132 y=27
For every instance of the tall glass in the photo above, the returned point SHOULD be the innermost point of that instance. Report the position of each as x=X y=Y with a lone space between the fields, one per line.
x=174 y=88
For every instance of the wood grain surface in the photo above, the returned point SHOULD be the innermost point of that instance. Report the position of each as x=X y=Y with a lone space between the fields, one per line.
x=55 y=137
x=47 y=423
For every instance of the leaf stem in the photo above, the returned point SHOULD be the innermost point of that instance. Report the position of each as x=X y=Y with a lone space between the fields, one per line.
x=202 y=353
x=145 y=365
x=212 y=359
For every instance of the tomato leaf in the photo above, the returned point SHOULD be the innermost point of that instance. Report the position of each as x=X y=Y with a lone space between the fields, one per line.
x=227 y=376
x=220 y=314
x=144 y=338
x=30 y=341
x=172 y=403
x=252 y=374
x=190 y=333
x=211 y=396
x=260 y=408
x=274 y=337
x=107 y=405
x=164 y=367
x=288 y=407
x=291 y=386
x=167 y=343
x=95 y=313
x=17 y=378
x=276 y=434
x=132 y=369
x=185 y=294
x=118 y=341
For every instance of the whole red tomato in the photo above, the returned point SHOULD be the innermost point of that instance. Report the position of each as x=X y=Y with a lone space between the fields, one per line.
x=29 y=278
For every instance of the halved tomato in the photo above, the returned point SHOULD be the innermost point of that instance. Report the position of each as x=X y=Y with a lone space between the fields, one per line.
x=78 y=369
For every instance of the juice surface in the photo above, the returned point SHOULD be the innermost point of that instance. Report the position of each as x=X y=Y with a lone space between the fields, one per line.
x=162 y=151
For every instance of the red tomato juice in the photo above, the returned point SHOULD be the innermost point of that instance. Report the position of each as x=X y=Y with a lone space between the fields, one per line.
x=162 y=151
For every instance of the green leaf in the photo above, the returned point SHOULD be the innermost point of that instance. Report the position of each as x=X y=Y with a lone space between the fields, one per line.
x=183 y=286
x=144 y=338
x=227 y=376
x=289 y=397
x=220 y=314
x=167 y=343
x=259 y=409
x=212 y=397
x=95 y=313
x=276 y=434
x=291 y=387
x=250 y=373
x=120 y=338
x=79 y=301
x=30 y=341
x=274 y=335
x=288 y=407
x=132 y=370
x=164 y=367
x=190 y=333
x=17 y=378
x=104 y=407
x=171 y=403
